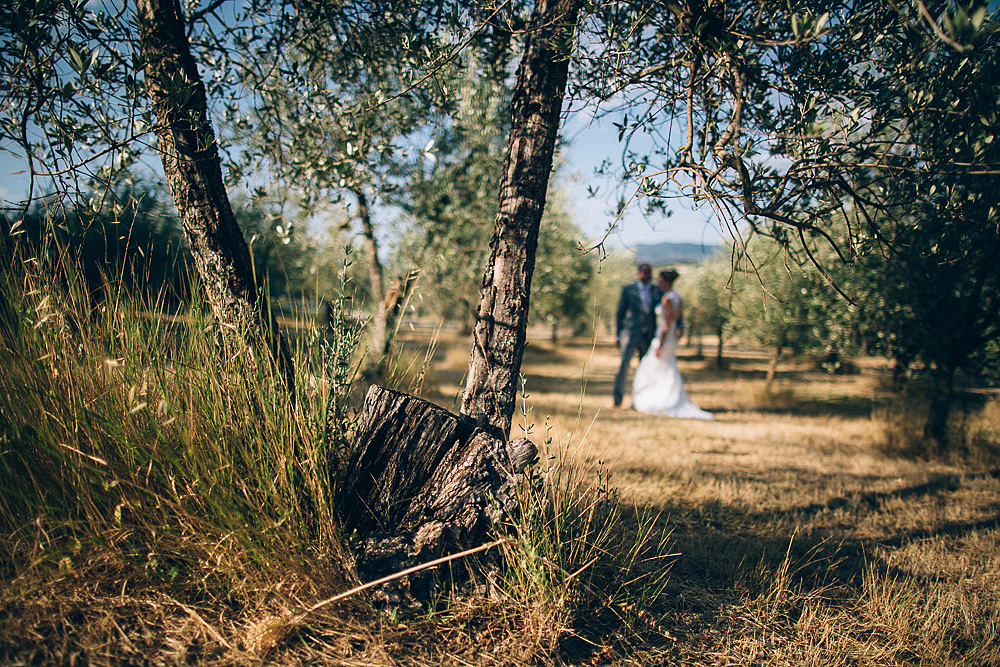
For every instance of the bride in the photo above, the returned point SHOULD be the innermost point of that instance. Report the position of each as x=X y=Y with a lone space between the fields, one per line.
x=657 y=388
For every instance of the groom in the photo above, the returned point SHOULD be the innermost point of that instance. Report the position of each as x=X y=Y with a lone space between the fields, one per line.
x=635 y=323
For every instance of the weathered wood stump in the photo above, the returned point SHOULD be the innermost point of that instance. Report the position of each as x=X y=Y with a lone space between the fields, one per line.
x=422 y=483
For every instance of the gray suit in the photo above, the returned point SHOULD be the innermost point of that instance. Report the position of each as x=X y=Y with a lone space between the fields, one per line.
x=635 y=326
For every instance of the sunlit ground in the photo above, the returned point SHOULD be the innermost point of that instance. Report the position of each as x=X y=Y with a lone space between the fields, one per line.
x=801 y=537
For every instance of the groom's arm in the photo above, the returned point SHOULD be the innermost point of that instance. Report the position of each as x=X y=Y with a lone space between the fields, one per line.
x=620 y=316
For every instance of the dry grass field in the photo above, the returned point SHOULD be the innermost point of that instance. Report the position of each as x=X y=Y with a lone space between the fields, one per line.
x=801 y=534
x=796 y=529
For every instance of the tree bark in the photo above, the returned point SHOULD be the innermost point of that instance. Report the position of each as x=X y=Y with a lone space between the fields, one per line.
x=502 y=319
x=395 y=302
x=190 y=156
x=718 y=349
x=421 y=483
x=376 y=275
x=942 y=396
x=772 y=368
x=899 y=368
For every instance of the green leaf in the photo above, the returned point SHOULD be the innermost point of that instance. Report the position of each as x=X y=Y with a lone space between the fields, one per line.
x=75 y=60
x=978 y=17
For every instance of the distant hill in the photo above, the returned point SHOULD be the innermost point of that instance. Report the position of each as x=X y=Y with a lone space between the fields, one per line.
x=662 y=254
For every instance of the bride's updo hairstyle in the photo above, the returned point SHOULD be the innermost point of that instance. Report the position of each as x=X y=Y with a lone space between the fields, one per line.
x=669 y=275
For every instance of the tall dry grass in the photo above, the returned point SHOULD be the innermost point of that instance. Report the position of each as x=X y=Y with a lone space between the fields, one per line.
x=144 y=480
x=162 y=505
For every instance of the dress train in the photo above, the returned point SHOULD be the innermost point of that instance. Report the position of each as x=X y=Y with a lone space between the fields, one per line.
x=658 y=388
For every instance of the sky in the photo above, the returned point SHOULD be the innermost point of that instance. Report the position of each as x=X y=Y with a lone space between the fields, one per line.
x=589 y=142
x=12 y=185
x=592 y=140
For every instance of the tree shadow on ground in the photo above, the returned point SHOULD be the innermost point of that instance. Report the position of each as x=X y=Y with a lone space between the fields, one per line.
x=728 y=554
x=842 y=406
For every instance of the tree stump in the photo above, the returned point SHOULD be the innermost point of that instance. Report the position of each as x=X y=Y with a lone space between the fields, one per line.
x=422 y=483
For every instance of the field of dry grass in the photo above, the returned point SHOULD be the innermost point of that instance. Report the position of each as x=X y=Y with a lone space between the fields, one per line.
x=793 y=530
x=801 y=537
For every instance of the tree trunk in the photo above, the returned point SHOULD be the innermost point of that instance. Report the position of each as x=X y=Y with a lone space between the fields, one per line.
x=376 y=275
x=718 y=350
x=422 y=483
x=772 y=368
x=468 y=317
x=942 y=396
x=395 y=302
x=190 y=156
x=502 y=319
x=899 y=368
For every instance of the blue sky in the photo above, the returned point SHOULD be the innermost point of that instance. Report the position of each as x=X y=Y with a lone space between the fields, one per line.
x=590 y=141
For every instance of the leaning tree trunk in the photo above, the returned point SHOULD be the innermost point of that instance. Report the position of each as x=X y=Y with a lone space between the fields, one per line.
x=502 y=319
x=423 y=482
x=376 y=275
x=772 y=369
x=190 y=156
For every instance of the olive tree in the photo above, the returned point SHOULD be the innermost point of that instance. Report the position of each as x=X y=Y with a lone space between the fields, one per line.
x=89 y=83
x=502 y=318
x=925 y=278
x=781 y=301
x=708 y=294
x=338 y=110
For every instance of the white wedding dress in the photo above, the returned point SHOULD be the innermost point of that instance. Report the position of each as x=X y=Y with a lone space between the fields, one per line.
x=658 y=388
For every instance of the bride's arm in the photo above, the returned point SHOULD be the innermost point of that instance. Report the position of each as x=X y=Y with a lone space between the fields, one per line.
x=670 y=315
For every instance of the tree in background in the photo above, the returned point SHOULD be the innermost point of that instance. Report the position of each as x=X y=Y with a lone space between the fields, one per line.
x=132 y=242
x=561 y=285
x=612 y=270
x=932 y=301
x=284 y=260
x=783 y=303
x=925 y=280
x=452 y=203
x=451 y=253
x=338 y=109
x=707 y=296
